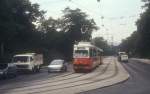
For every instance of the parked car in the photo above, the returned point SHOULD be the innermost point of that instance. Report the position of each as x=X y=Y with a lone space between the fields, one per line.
x=8 y=70
x=57 y=65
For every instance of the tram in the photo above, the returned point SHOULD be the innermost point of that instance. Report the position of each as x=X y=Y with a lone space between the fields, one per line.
x=86 y=56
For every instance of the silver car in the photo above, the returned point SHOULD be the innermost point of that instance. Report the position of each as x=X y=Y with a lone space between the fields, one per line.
x=57 y=65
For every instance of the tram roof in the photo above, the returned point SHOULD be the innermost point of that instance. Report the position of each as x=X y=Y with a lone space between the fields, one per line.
x=87 y=44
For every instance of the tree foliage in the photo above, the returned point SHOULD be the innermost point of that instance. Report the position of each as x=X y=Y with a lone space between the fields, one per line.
x=77 y=25
x=16 y=22
x=62 y=33
x=101 y=43
x=129 y=44
x=23 y=28
x=139 y=42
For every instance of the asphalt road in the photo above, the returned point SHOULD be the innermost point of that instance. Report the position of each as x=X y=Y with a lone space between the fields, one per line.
x=138 y=83
x=52 y=83
x=28 y=77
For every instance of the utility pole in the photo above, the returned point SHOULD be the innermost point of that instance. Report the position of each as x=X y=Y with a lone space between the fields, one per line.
x=112 y=40
x=2 y=49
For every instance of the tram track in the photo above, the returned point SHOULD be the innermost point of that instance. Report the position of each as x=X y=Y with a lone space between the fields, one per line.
x=82 y=84
x=29 y=79
x=38 y=82
x=26 y=84
x=68 y=82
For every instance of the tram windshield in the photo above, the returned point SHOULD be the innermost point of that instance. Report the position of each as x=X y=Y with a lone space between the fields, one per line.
x=81 y=53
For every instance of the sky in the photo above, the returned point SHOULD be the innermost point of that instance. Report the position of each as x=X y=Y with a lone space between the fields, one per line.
x=115 y=18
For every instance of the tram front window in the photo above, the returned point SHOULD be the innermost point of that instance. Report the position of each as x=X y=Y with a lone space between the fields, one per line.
x=81 y=53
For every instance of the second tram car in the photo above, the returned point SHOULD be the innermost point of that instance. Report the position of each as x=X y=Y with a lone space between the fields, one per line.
x=86 y=56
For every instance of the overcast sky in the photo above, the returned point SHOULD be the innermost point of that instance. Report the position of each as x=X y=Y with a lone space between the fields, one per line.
x=119 y=16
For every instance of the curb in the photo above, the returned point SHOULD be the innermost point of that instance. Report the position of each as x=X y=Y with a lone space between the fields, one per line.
x=121 y=77
x=146 y=61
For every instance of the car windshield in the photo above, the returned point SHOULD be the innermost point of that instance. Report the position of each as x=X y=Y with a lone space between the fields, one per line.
x=57 y=62
x=20 y=59
x=122 y=53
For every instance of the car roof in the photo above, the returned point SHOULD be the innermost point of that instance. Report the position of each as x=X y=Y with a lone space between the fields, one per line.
x=61 y=60
x=25 y=54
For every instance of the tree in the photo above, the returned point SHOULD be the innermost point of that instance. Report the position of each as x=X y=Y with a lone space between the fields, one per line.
x=143 y=28
x=101 y=43
x=16 y=23
x=129 y=44
x=139 y=42
x=77 y=25
x=62 y=33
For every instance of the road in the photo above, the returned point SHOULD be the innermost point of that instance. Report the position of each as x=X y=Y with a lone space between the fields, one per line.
x=64 y=83
x=44 y=83
x=138 y=83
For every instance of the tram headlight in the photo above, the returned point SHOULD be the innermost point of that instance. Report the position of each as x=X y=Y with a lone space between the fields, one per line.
x=75 y=60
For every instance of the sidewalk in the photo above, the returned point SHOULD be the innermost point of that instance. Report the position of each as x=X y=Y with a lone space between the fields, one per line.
x=147 y=61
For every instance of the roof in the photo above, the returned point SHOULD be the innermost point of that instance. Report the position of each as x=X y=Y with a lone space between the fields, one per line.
x=121 y=52
x=26 y=54
x=87 y=44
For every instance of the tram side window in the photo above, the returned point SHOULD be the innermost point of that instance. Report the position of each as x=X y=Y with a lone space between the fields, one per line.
x=93 y=52
x=99 y=53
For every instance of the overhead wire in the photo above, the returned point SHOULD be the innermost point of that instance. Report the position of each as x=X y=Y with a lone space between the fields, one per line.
x=102 y=17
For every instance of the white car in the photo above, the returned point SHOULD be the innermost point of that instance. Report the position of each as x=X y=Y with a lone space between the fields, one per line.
x=124 y=57
x=57 y=65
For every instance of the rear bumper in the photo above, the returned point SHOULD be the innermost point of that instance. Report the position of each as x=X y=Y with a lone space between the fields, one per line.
x=54 y=69
x=124 y=59
x=57 y=69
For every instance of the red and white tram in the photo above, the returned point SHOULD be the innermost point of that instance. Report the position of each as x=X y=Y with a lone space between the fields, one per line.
x=86 y=56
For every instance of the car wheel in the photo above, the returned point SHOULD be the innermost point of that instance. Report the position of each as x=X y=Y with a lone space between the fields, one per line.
x=65 y=69
x=33 y=70
x=37 y=69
